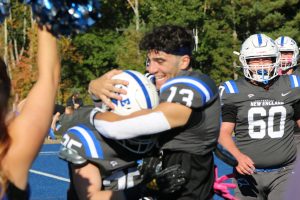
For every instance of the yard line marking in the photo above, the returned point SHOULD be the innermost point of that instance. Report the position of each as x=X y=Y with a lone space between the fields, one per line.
x=48 y=152
x=50 y=175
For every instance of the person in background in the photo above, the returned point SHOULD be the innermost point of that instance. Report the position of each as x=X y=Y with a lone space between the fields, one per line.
x=75 y=100
x=289 y=51
x=22 y=136
x=260 y=109
x=289 y=65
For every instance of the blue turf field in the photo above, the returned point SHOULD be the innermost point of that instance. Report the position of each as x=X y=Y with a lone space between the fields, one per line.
x=49 y=175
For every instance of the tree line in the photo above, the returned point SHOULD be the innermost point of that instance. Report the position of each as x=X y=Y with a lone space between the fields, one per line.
x=219 y=28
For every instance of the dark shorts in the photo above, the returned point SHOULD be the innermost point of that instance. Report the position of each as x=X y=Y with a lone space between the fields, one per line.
x=200 y=174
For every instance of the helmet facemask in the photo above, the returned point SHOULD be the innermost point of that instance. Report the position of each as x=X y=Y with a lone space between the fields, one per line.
x=139 y=145
x=262 y=73
x=287 y=62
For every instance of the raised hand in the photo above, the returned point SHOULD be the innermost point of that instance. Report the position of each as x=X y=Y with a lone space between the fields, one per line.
x=104 y=88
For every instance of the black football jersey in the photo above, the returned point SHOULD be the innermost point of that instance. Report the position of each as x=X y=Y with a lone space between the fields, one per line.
x=68 y=120
x=264 y=119
x=200 y=93
x=297 y=71
x=297 y=129
x=117 y=165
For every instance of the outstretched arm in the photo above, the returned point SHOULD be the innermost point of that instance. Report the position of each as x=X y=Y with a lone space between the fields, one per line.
x=29 y=128
x=145 y=122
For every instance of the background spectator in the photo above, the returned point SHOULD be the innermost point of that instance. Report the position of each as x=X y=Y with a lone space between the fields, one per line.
x=74 y=100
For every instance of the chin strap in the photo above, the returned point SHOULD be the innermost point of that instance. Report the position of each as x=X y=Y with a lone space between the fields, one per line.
x=265 y=82
x=221 y=188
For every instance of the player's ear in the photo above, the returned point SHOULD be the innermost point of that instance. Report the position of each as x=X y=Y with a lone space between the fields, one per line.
x=185 y=62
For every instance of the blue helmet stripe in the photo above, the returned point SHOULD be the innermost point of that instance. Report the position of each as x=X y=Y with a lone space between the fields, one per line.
x=282 y=41
x=145 y=91
x=259 y=39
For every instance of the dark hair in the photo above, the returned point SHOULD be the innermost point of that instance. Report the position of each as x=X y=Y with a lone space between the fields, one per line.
x=5 y=86
x=171 y=39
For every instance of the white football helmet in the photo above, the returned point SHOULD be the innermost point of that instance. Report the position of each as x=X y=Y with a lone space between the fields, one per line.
x=287 y=44
x=141 y=94
x=260 y=46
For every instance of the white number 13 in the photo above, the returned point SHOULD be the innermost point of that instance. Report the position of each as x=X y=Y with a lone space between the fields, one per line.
x=188 y=95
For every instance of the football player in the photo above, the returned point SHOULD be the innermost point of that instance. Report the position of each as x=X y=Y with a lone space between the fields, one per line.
x=260 y=108
x=289 y=51
x=101 y=168
x=288 y=65
x=187 y=118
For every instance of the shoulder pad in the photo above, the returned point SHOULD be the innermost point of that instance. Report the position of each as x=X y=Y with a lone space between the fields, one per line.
x=81 y=141
x=71 y=155
x=191 y=91
x=229 y=87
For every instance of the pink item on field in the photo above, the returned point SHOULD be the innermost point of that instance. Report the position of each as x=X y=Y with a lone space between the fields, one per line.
x=221 y=188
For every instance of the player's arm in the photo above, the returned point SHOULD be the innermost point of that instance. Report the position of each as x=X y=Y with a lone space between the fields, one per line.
x=178 y=98
x=146 y=122
x=28 y=130
x=88 y=184
x=245 y=164
x=167 y=115
x=55 y=119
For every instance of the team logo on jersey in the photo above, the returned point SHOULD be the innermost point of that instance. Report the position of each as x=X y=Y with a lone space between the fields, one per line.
x=250 y=95
x=113 y=163
x=284 y=94
x=265 y=102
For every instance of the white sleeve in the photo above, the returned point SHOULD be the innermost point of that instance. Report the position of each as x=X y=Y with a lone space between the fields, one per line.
x=148 y=124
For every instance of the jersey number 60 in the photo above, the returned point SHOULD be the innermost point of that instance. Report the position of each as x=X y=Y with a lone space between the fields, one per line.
x=266 y=126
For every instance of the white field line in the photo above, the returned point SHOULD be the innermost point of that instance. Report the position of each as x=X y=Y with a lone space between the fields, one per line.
x=50 y=175
x=48 y=153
